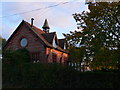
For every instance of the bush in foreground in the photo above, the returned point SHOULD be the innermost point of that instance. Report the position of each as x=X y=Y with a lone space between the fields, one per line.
x=55 y=76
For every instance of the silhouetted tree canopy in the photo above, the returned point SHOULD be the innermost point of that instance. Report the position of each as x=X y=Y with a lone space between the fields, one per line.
x=2 y=43
x=99 y=34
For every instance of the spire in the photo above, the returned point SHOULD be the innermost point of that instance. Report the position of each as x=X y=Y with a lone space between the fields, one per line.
x=46 y=26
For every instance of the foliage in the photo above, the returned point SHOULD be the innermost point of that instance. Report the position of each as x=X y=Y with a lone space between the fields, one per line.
x=34 y=75
x=76 y=53
x=16 y=57
x=2 y=43
x=98 y=33
x=105 y=59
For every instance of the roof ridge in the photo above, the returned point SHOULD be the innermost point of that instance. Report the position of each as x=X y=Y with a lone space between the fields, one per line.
x=37 y=33
x=49 y=33
x=33 y=26
x=42 y=38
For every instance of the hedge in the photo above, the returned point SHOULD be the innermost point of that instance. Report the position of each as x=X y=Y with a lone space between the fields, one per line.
x=35 y=75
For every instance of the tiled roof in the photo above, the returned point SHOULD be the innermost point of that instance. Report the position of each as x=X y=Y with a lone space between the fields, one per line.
x=47 y=38
x=35 y=28
x=38 y=32
x=61 y=43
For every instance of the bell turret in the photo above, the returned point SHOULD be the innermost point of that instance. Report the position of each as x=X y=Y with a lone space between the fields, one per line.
x=46 y=26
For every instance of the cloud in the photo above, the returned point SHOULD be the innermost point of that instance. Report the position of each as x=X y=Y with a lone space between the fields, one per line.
x=9 y=30
x=58 y=17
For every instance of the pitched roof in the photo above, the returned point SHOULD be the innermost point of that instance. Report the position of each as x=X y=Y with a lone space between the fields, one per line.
x=45 y=38
x=38 y=32
x=35 y=28
x=49 y=36
x=61 y=43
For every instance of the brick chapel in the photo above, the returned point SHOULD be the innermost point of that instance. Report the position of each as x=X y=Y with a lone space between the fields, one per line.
x=43 y=46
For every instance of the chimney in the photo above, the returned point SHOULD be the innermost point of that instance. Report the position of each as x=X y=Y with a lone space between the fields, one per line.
x=32 y=21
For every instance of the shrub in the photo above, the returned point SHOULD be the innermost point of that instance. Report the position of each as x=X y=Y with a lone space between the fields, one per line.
x=16 y=57
x=35 y=75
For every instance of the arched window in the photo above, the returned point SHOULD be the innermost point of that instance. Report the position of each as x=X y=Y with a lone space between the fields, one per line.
x=54 y=57
x=61 y=60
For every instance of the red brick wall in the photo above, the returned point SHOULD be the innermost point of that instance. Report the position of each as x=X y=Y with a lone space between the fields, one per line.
x=34 y=44
x=59 y=56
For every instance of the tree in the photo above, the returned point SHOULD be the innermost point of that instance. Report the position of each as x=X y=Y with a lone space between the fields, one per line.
x=17 y=57
x=76 y=53
x=2 y=43
x=100 y=31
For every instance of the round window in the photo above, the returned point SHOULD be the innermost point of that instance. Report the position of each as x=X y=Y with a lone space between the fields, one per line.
x=23 y=42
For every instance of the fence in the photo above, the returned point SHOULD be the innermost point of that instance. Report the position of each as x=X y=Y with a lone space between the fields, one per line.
x=79 y=67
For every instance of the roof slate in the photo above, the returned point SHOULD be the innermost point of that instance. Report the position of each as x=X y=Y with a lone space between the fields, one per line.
x=47 y=38
x=61 y=43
